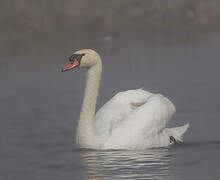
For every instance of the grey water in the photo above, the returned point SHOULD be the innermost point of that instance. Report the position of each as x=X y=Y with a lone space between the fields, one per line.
x=39 y=110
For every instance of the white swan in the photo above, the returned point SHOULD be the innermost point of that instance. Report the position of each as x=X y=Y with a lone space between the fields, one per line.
x=133 y=119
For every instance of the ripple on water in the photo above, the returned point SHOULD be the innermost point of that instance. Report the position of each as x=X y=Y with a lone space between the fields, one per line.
x=148 y=164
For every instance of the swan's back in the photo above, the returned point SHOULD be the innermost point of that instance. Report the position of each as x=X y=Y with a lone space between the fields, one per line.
x=116 y=109
x=143 y=127
x=136 y=119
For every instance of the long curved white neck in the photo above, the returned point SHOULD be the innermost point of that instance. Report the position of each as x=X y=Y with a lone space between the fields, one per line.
x=86 y=137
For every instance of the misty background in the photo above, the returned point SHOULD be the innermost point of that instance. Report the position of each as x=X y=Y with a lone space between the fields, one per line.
x=43 y=27
x=168 y=47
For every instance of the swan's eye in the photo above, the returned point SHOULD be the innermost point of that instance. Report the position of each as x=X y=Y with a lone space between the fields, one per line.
x=77 y=57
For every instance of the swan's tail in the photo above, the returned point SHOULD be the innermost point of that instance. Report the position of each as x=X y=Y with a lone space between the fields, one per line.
x=176 y=134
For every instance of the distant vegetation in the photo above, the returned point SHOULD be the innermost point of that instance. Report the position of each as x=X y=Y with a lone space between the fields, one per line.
x=42 y=21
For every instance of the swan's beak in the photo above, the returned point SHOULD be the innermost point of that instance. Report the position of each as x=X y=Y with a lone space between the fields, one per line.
x=70 y=66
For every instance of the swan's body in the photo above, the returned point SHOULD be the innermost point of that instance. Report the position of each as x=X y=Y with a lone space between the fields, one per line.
x=133 y=119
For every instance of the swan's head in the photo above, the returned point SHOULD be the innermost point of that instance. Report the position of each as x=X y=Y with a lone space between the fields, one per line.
x=82 y=58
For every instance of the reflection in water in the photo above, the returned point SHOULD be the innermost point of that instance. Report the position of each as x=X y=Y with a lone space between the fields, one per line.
x=149 y=164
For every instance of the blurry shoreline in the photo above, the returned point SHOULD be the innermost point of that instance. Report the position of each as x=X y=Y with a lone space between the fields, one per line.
x=29 y=27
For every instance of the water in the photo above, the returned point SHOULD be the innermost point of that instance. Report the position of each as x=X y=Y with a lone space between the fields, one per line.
x=39 y=109
x=149 y=164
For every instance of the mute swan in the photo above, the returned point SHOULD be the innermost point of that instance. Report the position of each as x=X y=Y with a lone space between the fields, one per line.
x=133 y=119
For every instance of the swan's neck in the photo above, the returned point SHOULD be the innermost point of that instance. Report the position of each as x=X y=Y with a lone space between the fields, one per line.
x=86 y=137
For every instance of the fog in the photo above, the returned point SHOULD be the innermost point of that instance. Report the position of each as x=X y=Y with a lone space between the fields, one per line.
x=166 y=47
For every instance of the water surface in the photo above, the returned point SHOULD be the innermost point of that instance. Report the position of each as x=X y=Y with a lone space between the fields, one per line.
x=39 y=110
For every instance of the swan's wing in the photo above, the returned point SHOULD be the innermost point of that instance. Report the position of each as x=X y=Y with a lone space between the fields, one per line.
x=144 y=126
x=116 y=109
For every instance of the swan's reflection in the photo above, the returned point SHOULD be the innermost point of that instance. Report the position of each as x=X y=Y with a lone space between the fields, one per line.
x=149 y=164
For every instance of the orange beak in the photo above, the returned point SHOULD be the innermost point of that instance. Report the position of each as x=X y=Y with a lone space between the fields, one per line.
x=70 y=66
